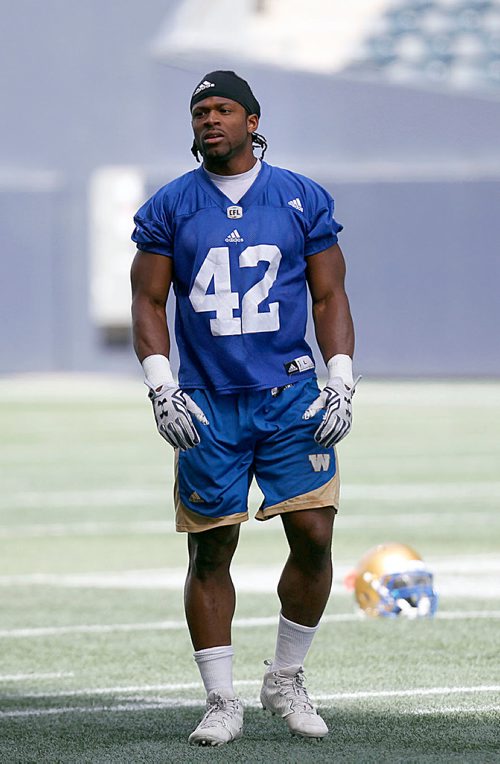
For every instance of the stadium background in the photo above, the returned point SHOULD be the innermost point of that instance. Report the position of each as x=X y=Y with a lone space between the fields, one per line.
x=413 y=160
x=395 y=107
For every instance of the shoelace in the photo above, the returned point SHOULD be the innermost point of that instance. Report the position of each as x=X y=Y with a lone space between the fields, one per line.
x=226 y=706
x=296 y=685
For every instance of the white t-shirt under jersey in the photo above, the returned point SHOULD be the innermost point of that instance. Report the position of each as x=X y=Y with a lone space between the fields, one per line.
x=235 y=186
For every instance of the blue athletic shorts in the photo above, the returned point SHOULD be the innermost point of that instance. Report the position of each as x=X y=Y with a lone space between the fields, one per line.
x=251 y=434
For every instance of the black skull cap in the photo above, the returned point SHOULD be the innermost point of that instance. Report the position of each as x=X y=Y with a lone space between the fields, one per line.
x=226 y=84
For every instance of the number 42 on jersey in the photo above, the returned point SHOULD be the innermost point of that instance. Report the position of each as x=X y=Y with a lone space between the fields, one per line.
x=223 y=301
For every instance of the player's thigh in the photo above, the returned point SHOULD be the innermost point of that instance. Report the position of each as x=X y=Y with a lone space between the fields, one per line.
x=212 y=479
x=292 y=470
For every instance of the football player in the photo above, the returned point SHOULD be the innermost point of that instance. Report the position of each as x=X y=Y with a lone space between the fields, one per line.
x=242 y=242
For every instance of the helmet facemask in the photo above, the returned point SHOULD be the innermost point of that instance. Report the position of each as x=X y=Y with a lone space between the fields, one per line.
x=392 y=580
x=408 y=593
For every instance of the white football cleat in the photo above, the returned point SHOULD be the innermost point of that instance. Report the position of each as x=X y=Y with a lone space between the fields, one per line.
x=222 y=723
x=283 y=692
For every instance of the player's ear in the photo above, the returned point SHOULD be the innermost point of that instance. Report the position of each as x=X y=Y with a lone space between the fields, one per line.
x=252 y=123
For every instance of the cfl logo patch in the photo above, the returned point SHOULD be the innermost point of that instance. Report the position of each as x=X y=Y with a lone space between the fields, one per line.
x=234 y=212
x=320 y=462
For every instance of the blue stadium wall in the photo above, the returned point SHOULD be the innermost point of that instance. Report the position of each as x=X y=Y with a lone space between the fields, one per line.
x=415 y=174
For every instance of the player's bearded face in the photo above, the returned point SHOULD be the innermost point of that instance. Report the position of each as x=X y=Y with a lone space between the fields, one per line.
x=221 y=128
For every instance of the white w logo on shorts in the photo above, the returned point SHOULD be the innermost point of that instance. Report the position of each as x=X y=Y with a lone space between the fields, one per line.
x=319 y=461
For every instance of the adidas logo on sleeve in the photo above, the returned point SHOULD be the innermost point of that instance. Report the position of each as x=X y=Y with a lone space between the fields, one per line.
x=296 y=204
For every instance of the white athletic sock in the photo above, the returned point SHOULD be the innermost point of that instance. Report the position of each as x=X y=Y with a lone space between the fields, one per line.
x=216 y=669
x=292 y=643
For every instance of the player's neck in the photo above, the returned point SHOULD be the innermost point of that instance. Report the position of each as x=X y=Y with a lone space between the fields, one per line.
x=234 y=166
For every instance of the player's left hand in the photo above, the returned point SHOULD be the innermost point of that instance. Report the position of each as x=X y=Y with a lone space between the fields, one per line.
x=336 y=398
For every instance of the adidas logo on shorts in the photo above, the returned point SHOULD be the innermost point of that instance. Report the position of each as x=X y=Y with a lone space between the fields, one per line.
x=195 y=498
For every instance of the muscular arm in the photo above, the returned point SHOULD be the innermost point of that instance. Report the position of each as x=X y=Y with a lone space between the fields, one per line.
x=151 y=277
x=331 y=312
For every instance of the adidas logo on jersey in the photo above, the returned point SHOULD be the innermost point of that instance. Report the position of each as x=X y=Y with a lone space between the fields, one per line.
x=234 y=237
x=319 y=462
x=203 y=86
x=296 y=204
x=303 y=363
x=195 y=498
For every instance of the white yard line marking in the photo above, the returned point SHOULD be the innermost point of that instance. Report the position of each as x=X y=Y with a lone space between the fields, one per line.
x=119 y=691
x=417 y=692
x=242 y=623
x=24 y=677
x=411 y=519
x=94 y=529
x=238 y=623
x=48 y=631
x=466 y=614
x=111 y=497
x=253 y=703
x=422 y=491
x=154 y=527
x=41 y=530
x=100 y=709
x=121 y=497
x=453 y=710
x=475 y=576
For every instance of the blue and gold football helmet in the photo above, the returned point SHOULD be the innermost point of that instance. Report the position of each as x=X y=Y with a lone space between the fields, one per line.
x=391 y=580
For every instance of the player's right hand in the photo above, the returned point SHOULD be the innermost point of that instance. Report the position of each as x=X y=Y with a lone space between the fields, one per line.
x=172 y=409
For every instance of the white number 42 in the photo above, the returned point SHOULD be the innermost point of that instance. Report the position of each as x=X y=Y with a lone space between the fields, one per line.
x=223 y=301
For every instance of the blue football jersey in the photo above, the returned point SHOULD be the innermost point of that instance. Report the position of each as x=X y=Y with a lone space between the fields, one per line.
x=239 y=274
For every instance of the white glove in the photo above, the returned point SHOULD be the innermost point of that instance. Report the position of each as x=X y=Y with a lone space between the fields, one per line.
x=336 y=398
x=171 y=406
x=172 y=409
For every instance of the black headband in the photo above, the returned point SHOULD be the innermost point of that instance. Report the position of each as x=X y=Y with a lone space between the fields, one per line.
x=226 y=84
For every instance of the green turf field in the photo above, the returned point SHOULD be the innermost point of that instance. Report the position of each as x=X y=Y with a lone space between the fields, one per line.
x=95 y=661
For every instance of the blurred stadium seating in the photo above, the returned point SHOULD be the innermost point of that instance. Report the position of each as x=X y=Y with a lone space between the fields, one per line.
x=451 y=42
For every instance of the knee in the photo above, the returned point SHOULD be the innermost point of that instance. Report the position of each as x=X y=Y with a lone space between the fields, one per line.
x=211 y=554
x=311 y=544
x=315 y=550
